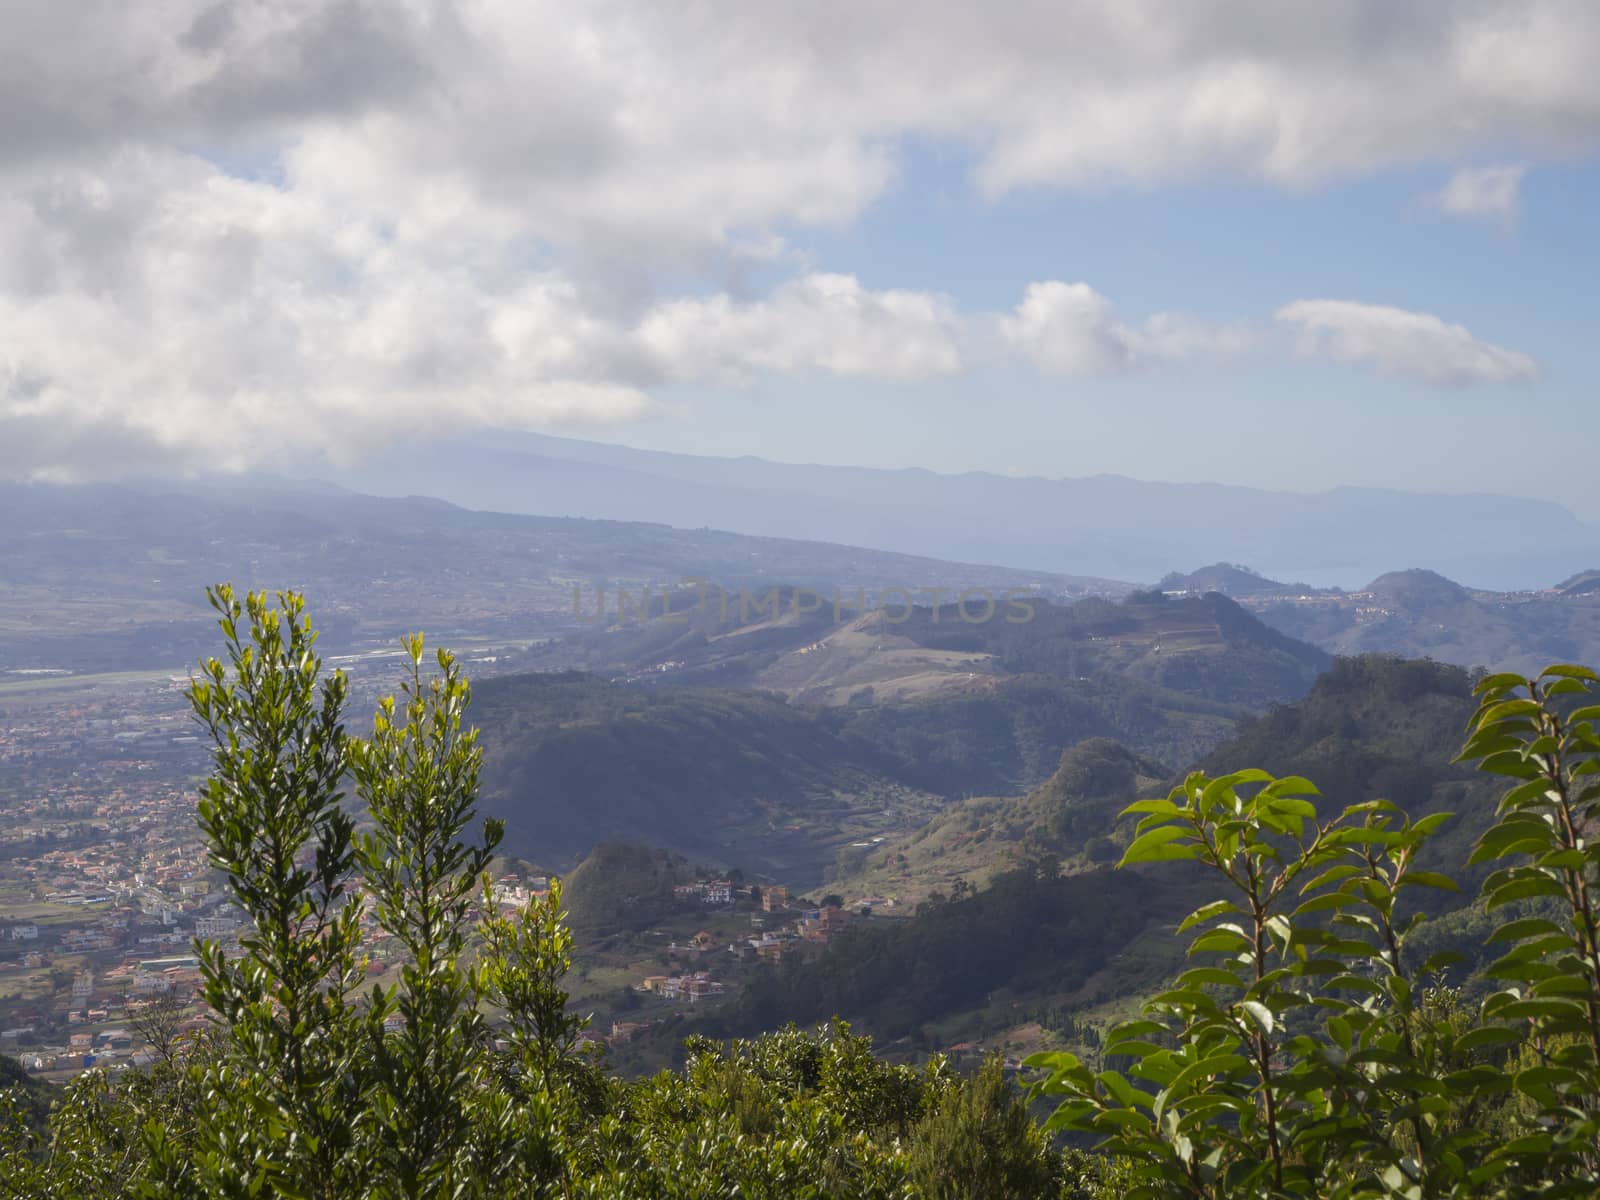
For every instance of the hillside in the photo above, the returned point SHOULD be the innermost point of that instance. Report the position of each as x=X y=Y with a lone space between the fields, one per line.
x=1204 y=646
x=1420 y=613
x=1068 y=818
x=746 y=778
x=889 y=714
x=1230 y=580
x=963 y=965
x=1371 y=727
x=572 y=761
x=1003 y=736
x=886 y=649
x=1581 y=584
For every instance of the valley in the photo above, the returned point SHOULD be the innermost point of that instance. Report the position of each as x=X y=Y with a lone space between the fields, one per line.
x=940 y=746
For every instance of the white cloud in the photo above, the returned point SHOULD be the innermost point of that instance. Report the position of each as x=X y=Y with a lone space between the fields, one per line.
x=229 y=227
x=1399 y=342
x=1071 y=329
x=825 y=322
x=165 y=311
x=1485 y=193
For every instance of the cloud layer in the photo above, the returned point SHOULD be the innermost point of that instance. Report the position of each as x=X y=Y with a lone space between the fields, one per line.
x=230 y=230
x=1070 y=329
x=1399 y=342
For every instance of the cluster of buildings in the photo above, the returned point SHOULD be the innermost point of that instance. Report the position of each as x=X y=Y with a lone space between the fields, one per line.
x=768 y=940
x=512 y=891
x=713 y=893
x=690 y=989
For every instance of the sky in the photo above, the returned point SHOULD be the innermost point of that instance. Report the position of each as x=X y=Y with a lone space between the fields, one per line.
x=1294 y=246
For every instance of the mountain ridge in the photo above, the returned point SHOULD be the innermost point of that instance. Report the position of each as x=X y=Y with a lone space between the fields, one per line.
x=1109 y=526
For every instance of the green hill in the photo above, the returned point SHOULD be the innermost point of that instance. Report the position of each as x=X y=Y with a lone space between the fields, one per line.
x=1067 y=817
x=1032 y=934
x=1205 y=646
x=572 y=761
x=619 y=885
x=913 y=708
x=1370 y=727
x=746 y=778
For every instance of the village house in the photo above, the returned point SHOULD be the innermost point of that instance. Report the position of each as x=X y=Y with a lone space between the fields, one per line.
x=149 y=983
x=509 y=892
x=714 y=893
x=700 y=943
x=689 y=988
x=699 y=989
x=215 y=927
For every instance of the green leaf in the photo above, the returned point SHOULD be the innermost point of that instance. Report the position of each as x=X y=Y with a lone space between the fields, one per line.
x=1500 y=682
x=1569 y=671
x=1125 y=1093
x=1208 y=977
x=1488 y=1037
x=1208 y=912
x=1430 y=879
x=1222 y=941
x=1511 y=763
x=1524 y=889
x=1514 y=835
x=1165 y=808
x=1225 y=1065
x=1156 y=846
x=1260 y=1014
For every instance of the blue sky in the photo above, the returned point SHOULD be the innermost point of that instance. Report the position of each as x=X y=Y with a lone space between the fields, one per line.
x=1232 y=240
x=1225 y=252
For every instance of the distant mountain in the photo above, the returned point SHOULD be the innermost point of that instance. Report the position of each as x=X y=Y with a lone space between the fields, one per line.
x=112 y=577
x=1230 y=580
x=1582 y=584
x=1417 y=591
x=1105 y=526
x=1420 y=613
x=1201 y=646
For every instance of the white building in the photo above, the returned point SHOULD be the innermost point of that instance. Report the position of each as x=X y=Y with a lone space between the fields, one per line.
x=214 y=927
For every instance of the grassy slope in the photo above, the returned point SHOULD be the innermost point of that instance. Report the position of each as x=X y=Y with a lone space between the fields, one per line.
x=1371 y=727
